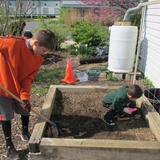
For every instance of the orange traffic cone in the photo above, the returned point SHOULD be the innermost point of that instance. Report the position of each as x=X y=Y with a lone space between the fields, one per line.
x=69 y=77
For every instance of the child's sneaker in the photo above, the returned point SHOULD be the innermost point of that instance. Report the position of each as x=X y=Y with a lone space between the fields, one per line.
x=109 y=123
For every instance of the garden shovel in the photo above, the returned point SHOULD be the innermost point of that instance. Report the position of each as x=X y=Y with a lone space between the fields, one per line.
x=53 y=130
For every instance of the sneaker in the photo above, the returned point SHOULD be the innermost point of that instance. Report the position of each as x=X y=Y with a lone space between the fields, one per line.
x=109 y=123
x=129 y=110
x=12 y=153
x=25 y=136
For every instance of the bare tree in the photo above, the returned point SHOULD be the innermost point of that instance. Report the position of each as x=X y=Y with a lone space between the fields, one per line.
x=25 y=7
x=4 y=16
x=13 y=21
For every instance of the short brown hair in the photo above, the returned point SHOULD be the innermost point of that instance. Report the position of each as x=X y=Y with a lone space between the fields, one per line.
x=46 y=38
x=135 y=91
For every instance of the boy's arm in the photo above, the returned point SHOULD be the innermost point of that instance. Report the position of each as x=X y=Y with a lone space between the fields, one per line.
x=132 y=104
x=118 y=104
x=26 y=86
x=131 y=108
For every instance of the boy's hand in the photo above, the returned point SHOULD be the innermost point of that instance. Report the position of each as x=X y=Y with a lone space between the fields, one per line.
x=26 y=105
x=129 y=110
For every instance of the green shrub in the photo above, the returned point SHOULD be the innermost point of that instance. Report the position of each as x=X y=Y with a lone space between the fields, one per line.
x=135 y=19
x=73 y=49
x=84 y=50
x=92 y=34
x=61 y=31
x=63 y=13
x=16 y=27
x=10 y=25
x=111 y=77
x=81 y=50
x=147 y=83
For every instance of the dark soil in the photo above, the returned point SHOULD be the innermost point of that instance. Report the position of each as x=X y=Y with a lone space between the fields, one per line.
x=80 y=116
x=84 y=111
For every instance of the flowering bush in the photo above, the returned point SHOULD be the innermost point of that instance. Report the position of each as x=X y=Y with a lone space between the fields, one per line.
x=110 y=10
x=82 y=50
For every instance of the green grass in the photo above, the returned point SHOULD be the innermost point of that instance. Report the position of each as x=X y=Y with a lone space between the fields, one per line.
x=103 y=68
x=111 y=77
x=44 y=79
x=50 y=76
x=39 y=91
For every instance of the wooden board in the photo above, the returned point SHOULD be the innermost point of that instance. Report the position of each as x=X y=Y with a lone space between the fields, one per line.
x=39 y=128
x=85 y=149
x=152 y=117
x=84 y=89
x=122 y=23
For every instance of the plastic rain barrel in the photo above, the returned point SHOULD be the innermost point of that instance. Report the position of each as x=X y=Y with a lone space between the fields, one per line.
x=122 y=48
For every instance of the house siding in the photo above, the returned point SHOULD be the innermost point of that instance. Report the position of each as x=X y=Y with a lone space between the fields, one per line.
x=150 y=45
x=37 y=8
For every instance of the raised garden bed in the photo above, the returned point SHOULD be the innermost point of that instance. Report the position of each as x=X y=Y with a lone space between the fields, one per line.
x=78 y=112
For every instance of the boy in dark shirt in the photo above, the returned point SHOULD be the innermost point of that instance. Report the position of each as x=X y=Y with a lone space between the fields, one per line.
x=121 y=100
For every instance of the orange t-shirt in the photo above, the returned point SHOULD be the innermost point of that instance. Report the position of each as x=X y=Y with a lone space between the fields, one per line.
x=18 y=66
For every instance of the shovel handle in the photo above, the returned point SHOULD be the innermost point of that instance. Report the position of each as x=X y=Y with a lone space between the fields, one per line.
x=10 y=93
x=18 y=99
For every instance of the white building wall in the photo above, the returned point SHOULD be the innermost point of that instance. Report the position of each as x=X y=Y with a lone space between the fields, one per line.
x=12 y=6
x=150 y=46
x=36 y=8
x=50 y=7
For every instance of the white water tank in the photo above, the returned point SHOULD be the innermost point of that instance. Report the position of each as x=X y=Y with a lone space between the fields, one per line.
x=122 y=48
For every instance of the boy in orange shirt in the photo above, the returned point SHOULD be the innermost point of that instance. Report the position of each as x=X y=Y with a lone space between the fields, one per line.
x=20 y=60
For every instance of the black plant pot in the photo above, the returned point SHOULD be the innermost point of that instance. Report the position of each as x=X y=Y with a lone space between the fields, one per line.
x=99 y=59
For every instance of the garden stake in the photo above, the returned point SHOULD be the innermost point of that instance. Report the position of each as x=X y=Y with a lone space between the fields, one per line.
x=53 y=125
